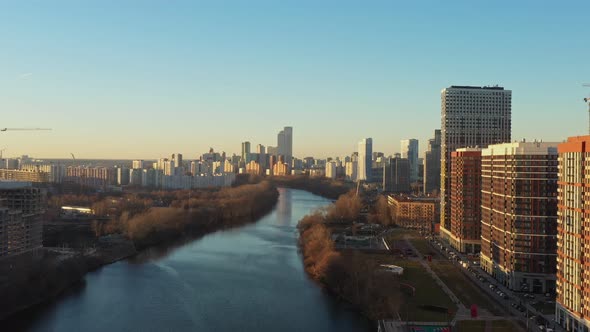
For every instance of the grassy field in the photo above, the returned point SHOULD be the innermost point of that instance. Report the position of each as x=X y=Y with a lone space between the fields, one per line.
x=452 y=276
x=416 y=239
x=427 y=292
x=494 y=325
x=462 y=286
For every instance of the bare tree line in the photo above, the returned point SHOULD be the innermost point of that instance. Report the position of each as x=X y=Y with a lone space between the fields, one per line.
x=350 y=275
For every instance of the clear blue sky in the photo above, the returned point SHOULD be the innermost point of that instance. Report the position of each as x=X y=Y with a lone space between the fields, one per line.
x=143 y=79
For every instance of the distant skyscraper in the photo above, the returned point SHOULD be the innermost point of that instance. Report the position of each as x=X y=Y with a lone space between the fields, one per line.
x=409 y=150
x=519 y=214
x=245 y=151
x=285 y=144
x=177 y=158
x=260 y=149
x=138 y=164
x=331 y=169
x=351 y=170
x=471 y=117
x=123 y=176
x=396 y=175
x=573 y=217
x=365 y=159
x=432 y=164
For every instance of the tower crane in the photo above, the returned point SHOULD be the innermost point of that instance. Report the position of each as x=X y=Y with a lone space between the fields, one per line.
x=21 y=129
x=587 y=101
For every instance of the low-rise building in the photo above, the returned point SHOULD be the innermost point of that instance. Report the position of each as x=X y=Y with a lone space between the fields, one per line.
x=414 y=212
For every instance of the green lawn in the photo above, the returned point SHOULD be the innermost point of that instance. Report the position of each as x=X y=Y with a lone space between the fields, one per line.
x=462 y=286
x=494 y=325
x=545 y=308
x=427 y=293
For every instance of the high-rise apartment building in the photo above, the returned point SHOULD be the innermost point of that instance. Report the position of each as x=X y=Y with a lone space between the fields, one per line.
x=470 y=117
x=573 y=235
x=21 y=209
x=409 y=150
x=285 y=144
x=519 y=214
x=432 y=164
x=465 y=200
x=365 y=159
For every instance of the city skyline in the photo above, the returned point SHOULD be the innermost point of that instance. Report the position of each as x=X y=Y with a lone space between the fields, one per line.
x=122 y=88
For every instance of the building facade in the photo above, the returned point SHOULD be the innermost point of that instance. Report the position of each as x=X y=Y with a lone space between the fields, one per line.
x=331 y=168
x=470 y=117
x=414 y=212
x=519 y=214
x=21 y=210
x=573 y=235
x=396 y=175
x=350 y=172
x=465 y=200
x=36 y=176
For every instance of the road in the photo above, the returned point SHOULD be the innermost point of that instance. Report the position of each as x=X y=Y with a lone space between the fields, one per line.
x=515 y=299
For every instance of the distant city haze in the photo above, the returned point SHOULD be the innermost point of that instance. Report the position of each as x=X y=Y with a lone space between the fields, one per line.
x=142 y=80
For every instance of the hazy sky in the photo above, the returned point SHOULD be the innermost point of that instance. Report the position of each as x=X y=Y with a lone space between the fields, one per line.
x=143 y=79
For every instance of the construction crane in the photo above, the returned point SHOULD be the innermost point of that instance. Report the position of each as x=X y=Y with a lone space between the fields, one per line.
x=21 y=129
x=587 y=101
x=1 y=150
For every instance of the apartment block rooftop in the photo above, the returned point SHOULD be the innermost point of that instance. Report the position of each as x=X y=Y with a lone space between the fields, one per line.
x=495 y=87
x=10 y=184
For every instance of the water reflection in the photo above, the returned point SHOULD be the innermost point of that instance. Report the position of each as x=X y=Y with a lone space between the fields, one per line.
x=245 y=279
x=284 y=212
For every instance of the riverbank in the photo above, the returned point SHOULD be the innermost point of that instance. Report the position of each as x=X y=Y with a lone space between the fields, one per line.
x=38 y=277
x=346 y=274
x=321 y=186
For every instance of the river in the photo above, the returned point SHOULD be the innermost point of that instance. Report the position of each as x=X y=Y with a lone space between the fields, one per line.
x=249 y=278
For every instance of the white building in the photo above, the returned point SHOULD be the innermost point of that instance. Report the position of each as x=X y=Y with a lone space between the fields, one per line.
x=365 y=159
x=138 y=164
x=331 y=170
x=351 y=169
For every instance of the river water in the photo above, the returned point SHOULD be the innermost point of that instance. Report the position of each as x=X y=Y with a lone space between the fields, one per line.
x=244 y=279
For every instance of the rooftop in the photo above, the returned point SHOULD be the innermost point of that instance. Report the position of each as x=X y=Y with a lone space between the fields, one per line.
x=9 y=184
x=418 y=199
x=477 y=87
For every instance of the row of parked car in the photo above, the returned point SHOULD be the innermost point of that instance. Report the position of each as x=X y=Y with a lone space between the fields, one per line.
x=451 y=255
